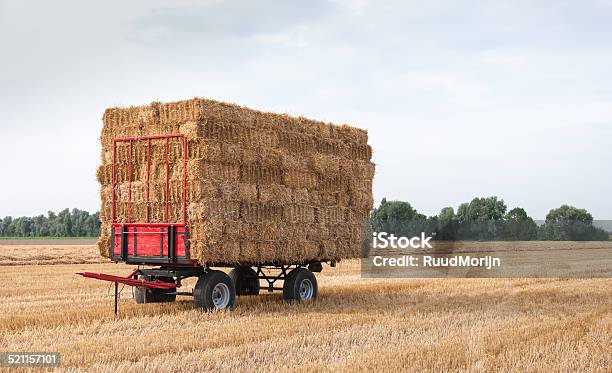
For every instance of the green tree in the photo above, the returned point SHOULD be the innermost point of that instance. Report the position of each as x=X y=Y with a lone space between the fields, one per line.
x=568 y=223
x=65 y=224
x=519 y=226
x=446 y=224
x=489 y=208
x=399 y=218
x=481 y=219
x=517 y=214
x=8 y=230
x=42 y=226
x=391 y=216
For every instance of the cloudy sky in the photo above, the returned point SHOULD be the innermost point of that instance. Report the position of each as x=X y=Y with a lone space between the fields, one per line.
x=461 y=98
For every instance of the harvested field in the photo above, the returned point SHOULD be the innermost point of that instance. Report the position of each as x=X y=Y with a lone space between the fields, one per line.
x=46 y=241
x=355 y=325
x=45 y=254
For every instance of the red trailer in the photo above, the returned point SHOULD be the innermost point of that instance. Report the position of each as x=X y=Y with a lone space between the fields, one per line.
x=164 y=246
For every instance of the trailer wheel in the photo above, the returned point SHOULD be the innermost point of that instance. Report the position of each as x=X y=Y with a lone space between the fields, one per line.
x=143 y=295
x=245 y=280
x=146 y=295
x=163 y=295
x=214 y=291
x=300 y=285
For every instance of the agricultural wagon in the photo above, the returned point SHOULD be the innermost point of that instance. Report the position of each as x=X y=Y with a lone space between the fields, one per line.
x=155 y=209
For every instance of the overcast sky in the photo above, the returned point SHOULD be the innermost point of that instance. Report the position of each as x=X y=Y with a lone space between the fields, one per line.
x=461 y=98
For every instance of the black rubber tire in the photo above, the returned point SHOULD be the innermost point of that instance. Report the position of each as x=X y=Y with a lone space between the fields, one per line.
x=245 y=280
x=163 y=295
x=204 y=291
x=295 y=284
x=146 y=295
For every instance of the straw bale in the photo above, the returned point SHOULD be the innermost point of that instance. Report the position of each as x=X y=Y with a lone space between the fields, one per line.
x=200 y=149
x=103 y=245
x=343 y=198
x=213 y=209
x=258 y=212
x=300 y=179
x=211 y=230
x=360 y=200
x=314 y=198
x=261 y=187
x=293 y=162
x=327 y=198
x=363 y=170
x=259 y=174
x=276 y=193
x=215 y=171
x=324 y=164
x=332 y=182
x=239 y=192
x=298 y=214
x=300 y=196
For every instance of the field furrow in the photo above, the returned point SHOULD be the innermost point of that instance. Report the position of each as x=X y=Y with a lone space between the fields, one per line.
x=356 y=324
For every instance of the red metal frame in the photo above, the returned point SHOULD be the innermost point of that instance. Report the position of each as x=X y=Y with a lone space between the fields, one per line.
x=148 y=173
x=146 y=239
x=167 y=181
x=114 y=178
x=130 y=280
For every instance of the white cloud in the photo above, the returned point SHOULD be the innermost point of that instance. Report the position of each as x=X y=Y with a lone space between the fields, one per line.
x=354 y=7
x=482 y=98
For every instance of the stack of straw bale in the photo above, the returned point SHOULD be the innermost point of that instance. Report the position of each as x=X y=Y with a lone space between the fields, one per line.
x=261 y=187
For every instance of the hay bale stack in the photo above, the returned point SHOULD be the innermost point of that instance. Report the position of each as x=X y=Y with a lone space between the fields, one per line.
x=261 y=187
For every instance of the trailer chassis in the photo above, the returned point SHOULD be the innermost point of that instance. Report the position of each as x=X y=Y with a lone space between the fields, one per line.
x=168 y=279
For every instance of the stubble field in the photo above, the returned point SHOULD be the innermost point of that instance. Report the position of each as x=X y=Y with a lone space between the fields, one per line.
x=355 y=325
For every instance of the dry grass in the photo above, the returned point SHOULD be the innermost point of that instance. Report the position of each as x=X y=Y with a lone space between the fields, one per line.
x=356 y=324
x=39 y=254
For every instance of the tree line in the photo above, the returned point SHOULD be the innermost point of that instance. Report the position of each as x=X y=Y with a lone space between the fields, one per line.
x=480 y=219
x=486 y=219
x=66 y=223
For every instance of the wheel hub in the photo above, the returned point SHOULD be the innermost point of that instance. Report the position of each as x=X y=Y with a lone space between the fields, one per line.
x=306 y=289
x=221 y=296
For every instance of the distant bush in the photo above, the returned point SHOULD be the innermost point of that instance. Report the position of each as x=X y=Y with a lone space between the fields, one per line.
x=568 y=223
x=486 y=219
x=75 y=223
